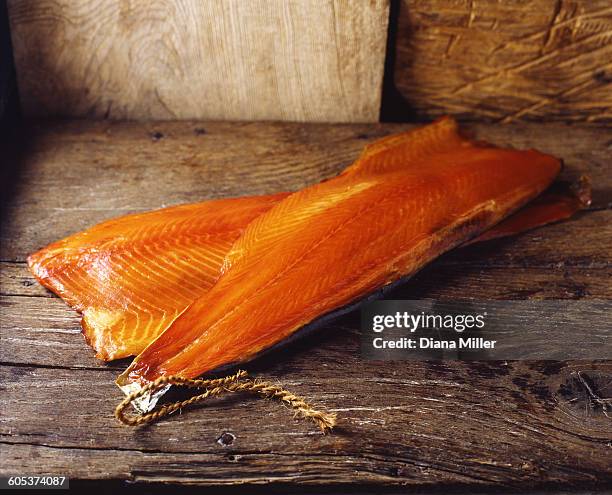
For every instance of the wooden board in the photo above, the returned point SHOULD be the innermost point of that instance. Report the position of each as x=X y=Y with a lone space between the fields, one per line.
x=503 y=61
x=430 y=425
x=312 y=60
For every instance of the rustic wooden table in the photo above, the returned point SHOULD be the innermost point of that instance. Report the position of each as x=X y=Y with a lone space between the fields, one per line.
x=427 y=424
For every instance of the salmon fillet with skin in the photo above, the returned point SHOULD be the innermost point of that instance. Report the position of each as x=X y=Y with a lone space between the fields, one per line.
x=117 y=326
x=131 y=276
x=405 y=201
x=128 y=334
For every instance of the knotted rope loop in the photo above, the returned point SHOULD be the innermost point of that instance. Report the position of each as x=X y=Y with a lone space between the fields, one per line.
x=232 y=383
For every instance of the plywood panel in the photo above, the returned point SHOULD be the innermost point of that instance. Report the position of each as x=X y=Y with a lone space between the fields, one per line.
x=306 y=60
x=503 y=61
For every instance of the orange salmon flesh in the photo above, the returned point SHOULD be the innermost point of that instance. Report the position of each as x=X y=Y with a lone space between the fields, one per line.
x=192 y=288
x=405 y=201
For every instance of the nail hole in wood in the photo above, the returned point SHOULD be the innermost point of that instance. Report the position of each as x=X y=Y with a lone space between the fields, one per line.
x=226 y=438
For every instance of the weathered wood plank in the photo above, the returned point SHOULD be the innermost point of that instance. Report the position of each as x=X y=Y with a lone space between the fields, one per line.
x=450 y=276
x=421 y=428
x=578 y=241
x=313 y=60
x=78 y=173
x=417 y=423
x=16 y=280
x=543 y=59
x=46 y=332
x=43 y=331
x=473 y=281
x=541 y=247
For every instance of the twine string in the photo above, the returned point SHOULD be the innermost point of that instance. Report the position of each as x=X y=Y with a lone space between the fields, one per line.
x=232 y=383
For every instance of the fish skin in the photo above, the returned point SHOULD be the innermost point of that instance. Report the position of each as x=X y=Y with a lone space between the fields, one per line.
x=405 y=201
x=131 y=276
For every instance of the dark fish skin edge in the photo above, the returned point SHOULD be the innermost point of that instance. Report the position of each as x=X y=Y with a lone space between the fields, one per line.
x=314 y=325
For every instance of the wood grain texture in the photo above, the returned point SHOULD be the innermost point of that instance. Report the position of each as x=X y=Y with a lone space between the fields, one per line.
x=313 y=60
x=421 y=426
x=503 y=61
x=428 y=425
x=75 y=174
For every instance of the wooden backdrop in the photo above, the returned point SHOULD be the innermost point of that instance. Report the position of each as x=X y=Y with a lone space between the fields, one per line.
x=314 y=60
x=304 y=60
x=506 y=60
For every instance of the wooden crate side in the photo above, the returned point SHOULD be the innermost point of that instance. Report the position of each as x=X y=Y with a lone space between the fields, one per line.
x=311 y=60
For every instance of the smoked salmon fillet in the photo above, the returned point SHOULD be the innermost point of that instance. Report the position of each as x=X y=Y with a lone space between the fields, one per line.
x=86 y=256
x=131 y=276
x=405 y=201
x=117 y=323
